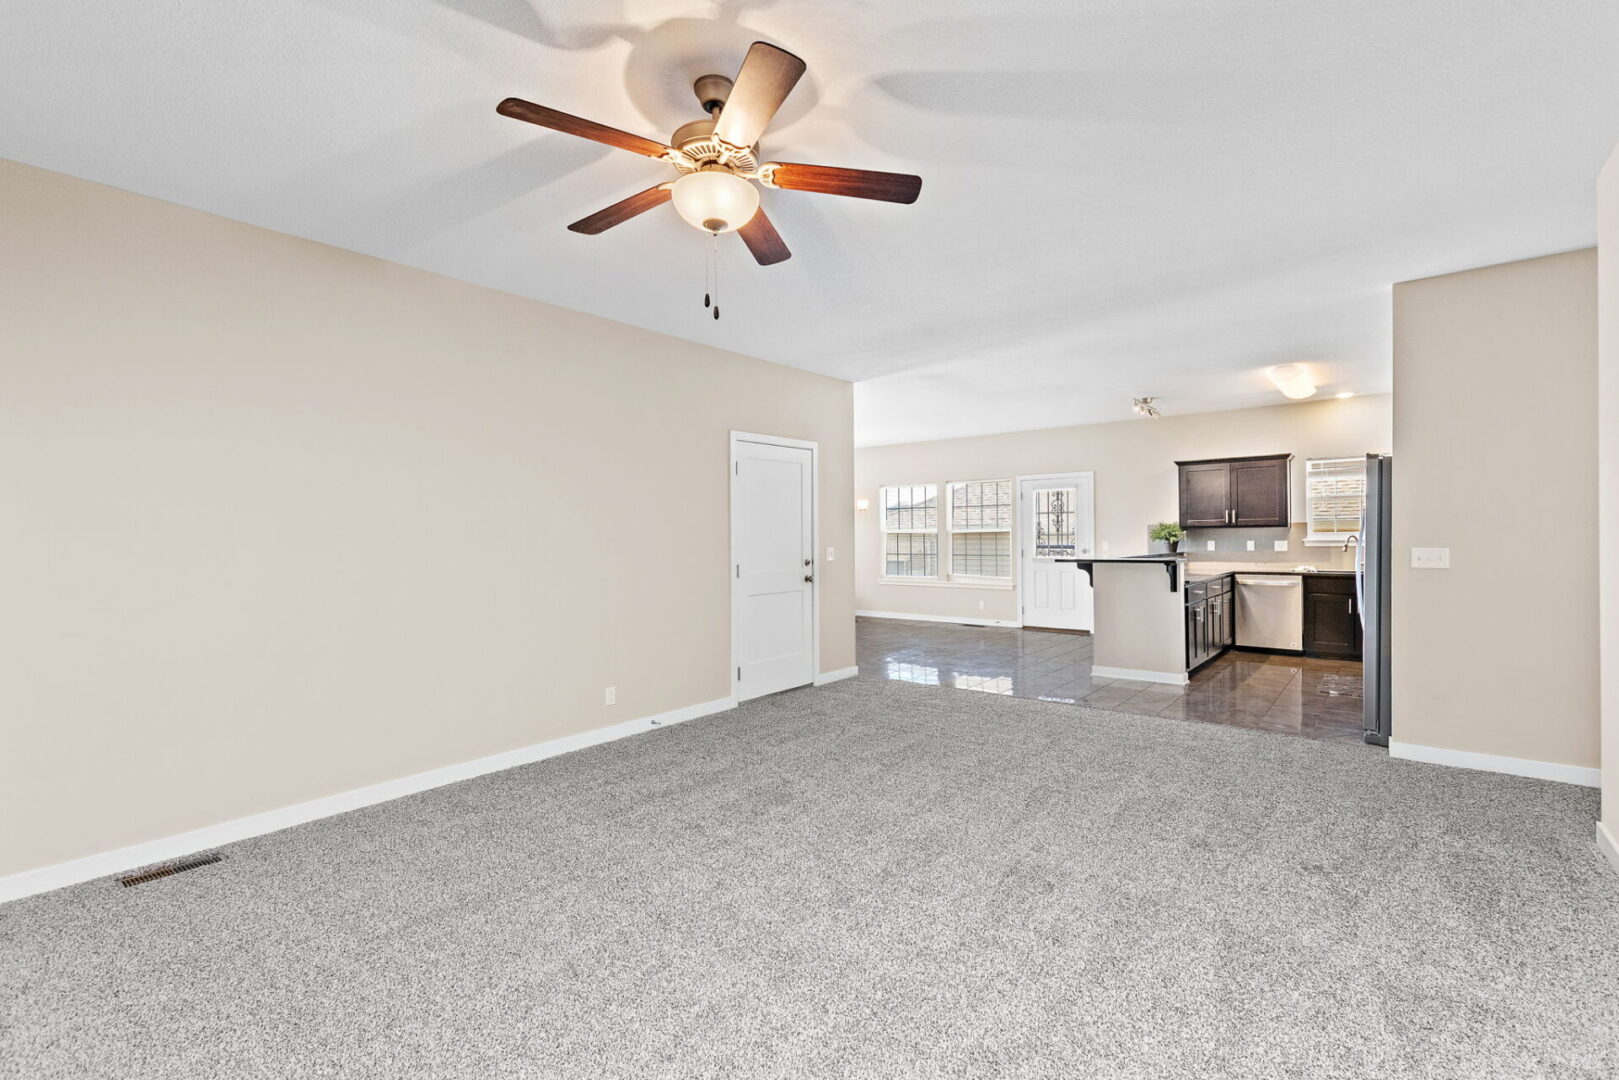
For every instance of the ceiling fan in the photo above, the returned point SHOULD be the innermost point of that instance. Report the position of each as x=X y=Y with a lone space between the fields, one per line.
x=718 y=158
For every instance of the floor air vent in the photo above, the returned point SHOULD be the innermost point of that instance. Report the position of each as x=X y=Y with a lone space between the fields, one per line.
x=169 y=869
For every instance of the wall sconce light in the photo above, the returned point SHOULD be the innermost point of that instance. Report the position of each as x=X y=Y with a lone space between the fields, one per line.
x=862 y=505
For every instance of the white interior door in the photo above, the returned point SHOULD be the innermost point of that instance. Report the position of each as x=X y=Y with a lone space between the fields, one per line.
x=773 y=563
x=1056 y=519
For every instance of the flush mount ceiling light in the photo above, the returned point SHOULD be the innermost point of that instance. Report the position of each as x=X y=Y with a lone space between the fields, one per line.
x=718 y=157
x=1143 y=406
x=1344 y=394
x=1292 y=380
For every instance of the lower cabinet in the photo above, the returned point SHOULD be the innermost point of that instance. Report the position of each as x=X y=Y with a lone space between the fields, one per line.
x=1331 y=618
x=1210 y=620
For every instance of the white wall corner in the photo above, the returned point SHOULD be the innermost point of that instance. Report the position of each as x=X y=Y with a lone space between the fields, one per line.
x=1608 y=844
x=836 y=676
x=1467 y=759
x=46 y=878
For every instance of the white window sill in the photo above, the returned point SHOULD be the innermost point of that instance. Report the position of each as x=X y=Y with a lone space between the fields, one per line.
x=937 y=584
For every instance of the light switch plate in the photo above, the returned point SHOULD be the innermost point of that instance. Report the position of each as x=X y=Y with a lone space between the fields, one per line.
x=1104 y=547
x=1211 y=545
x=831 y=554
x=1430 y=558
x=1250 y=545
x=1281 y=545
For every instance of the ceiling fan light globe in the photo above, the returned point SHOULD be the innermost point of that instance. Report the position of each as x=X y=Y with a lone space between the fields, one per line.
x=715 y=200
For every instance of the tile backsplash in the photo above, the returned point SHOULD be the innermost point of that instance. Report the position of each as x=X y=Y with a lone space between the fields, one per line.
x=1231 y=546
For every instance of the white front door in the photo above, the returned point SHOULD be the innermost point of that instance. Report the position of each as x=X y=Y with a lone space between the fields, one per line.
x=773 y=566
x=1056 y=520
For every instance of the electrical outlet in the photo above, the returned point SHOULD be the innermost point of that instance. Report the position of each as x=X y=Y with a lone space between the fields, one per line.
x=612 y=695
x=831 y=554
x=1430 y=558
x=1104 y=547
x=1281 y=545
x=1211 y=545
x=1250 y=545
x=980 y=605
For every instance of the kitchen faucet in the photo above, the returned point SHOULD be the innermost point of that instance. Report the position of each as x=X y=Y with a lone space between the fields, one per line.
x=1350 y=537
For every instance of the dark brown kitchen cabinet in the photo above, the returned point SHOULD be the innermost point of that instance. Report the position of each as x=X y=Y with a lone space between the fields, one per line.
x=1205 y=495
x=1209 y=620
x=1197 y=634
x=1245 y=493
x=1331 y=618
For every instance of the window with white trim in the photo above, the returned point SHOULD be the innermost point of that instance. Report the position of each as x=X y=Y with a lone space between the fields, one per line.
x=910 y=525
x=1334 y=499
x=981 y=529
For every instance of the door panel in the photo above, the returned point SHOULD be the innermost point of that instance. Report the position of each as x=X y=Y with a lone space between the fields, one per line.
x=1055 y=520
x=1205 y=495
x=1331 y=626
x=1259 y=493
x=772 y=531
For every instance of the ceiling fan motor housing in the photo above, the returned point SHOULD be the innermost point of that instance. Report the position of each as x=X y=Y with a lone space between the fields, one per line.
x=699 y=149
x=712 y=91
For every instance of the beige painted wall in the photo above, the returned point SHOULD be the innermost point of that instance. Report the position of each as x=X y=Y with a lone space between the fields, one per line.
x=1495 y=458
x=1608 y=423
x=278 y=521
x=1136 y=484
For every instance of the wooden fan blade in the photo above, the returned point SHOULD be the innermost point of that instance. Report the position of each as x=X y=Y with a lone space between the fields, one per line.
x=858 y=183
x=622 y=211
x=763 y=239
x=768 y=75
x=518 y=109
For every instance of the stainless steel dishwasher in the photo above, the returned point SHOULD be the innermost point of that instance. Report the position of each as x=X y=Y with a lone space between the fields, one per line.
x=1270 y=611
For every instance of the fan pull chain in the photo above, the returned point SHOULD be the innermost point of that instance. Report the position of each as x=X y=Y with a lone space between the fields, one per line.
x=714 y=258
x=708 y=289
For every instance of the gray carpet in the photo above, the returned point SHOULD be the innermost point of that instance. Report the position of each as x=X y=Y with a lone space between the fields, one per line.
x=870 y=879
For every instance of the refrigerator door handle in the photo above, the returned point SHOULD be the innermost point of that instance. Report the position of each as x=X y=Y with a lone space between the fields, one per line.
x=1360 y=573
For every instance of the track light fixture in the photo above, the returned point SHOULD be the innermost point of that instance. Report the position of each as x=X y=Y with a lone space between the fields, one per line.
x=1143 y=406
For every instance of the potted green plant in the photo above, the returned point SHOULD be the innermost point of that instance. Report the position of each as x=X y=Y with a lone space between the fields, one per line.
x=1165 y=537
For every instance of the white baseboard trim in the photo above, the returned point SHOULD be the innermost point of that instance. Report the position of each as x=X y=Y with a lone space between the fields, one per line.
x=1467 y=759
x=1608 y=845
x=836 y=676
x=1169 y=678
x=46 y=878
x=959 y=619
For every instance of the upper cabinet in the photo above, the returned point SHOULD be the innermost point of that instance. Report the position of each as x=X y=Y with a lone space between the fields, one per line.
x=1245 y=492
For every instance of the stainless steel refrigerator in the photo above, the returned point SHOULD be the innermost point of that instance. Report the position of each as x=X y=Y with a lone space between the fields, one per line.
x=1373 y=564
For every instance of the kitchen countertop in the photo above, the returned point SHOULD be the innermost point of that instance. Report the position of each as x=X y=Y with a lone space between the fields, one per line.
x=1195 y=572
x=1120 y=558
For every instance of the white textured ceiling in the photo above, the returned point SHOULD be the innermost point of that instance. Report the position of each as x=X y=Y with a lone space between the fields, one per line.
x=1122 y=198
